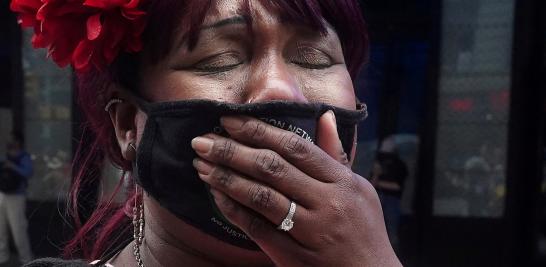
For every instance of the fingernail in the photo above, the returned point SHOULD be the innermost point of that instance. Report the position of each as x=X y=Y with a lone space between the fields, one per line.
x=203 y=177
x=202 y=166
x=216 y=194
x=333 y=116
x=231 y=123
x=201 y=144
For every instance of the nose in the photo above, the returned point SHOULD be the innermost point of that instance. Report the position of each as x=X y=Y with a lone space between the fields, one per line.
x=272 y=80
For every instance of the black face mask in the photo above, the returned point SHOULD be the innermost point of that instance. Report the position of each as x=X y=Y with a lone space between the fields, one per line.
x=164 y=158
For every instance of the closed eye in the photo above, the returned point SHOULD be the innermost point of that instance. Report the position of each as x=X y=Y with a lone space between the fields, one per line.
x=219 y=63
x=311 y=58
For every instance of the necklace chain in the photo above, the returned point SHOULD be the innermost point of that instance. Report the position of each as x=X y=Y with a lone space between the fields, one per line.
x=138 y=233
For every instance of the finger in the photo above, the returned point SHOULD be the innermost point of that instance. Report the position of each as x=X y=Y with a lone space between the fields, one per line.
x=301 y=153
x=258 y=197
x=328 y=138
x=280 y=247
x=260 y=164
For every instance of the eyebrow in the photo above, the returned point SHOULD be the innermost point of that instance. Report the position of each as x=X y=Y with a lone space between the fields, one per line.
x=226 y=22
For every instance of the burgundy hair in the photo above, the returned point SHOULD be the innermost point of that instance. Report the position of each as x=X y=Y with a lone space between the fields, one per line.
x=109 y=225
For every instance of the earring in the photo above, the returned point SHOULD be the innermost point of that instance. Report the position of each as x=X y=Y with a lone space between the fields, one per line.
x=112 y=102
x=131 y=155
x=138 y=229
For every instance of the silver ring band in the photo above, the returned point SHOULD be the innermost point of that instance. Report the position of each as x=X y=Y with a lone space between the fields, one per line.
x=287 y=223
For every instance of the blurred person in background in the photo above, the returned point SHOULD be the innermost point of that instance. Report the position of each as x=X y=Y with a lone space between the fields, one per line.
x=483 y=174
x=15 y=172
x=388 y=175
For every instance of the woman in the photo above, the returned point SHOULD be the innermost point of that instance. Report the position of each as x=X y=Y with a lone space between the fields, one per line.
x=150 y=72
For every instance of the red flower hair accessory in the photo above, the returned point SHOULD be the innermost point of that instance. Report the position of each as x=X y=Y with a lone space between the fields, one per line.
x=84 y=33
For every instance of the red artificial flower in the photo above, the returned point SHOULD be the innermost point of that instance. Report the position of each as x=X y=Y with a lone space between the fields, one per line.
x=84 y=33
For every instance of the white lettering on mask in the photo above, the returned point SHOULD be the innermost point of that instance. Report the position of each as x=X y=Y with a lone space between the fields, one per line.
x=277 y=123
x=289 y=127
x=228 y=229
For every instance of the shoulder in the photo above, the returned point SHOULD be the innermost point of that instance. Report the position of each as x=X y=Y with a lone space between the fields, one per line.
x=53 y=262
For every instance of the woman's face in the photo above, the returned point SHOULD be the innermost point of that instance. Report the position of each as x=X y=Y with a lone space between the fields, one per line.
x=234 y=61
x=269 y=59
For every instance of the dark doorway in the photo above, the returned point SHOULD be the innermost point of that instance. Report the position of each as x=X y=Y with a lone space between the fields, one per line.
x=395 y=85
x=541 y=224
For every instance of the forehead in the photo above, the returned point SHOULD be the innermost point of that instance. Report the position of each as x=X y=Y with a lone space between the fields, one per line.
x=222 y=8
x=254 y=10
x=304 y=14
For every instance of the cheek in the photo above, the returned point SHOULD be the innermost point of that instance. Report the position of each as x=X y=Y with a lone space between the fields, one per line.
x=334 y=87
x=179 y=85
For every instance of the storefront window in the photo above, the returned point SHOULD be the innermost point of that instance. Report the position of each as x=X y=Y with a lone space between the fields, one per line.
x=473 y=107
x=47 y=115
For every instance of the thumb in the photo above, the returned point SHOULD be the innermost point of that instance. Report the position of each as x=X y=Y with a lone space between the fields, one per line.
x=328 y=138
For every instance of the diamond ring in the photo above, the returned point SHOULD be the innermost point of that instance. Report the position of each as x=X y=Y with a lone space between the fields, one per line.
x=287 y=223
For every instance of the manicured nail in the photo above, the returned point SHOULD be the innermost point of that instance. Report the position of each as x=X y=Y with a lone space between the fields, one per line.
x=202 y=166
x=231 y=123
x=202 y=144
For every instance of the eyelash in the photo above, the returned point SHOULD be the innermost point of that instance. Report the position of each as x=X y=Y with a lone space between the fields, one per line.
x=313 y=66
x=207 y=64
x=302 y=59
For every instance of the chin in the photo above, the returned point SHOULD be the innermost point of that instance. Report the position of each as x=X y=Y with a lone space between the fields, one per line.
x=184 y=236
x=221 y=252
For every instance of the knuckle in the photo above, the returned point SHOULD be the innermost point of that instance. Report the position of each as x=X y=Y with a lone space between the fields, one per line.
x=270 y=164
x=261 y=197
x=296 y=146
x=256 y=227
x=351 y=184
x=327 y=240
x=337 y=209
x=222 y=176
x=224 y=150
x=255 y=130
x=228 y=208
x=343 y=176
x=362 y=188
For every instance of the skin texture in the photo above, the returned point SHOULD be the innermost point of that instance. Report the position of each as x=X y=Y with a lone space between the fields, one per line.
x=338 y=221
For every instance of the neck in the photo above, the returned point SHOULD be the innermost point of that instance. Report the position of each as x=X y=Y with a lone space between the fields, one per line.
x=160 y=248
x=168 y=241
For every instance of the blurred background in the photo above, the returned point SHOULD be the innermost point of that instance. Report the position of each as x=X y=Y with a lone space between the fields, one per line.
x=456 y=97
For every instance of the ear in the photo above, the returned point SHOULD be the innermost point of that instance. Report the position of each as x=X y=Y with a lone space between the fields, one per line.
x=123 y=116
